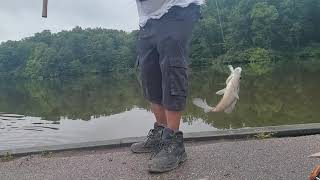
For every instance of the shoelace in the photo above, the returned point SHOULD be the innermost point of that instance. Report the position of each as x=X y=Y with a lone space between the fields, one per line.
x=150 y=135
x=164 y=145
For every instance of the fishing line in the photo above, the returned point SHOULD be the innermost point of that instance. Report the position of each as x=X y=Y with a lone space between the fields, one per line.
x=222 y=34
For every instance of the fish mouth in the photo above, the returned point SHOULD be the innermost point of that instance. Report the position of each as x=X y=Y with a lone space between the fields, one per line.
x=238 y=70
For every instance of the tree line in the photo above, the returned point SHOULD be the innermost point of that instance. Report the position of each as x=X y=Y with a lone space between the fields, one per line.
x=230 y=31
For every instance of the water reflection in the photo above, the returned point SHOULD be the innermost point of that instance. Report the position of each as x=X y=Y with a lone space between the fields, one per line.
x=284 y=93
x=20 y=122
x=74 y=99
x=131 y=123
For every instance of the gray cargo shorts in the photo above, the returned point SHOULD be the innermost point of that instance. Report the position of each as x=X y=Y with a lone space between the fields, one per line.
x=162 y=56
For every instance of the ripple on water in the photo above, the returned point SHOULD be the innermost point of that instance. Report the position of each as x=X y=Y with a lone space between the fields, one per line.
x=47 y=127
x=7 y=115
x=4 y=119
x=41 y=127
x=37 y=123
x=31 y=129
x=25 y=130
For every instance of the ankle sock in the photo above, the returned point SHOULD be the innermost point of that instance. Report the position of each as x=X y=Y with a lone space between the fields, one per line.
x=160 y=124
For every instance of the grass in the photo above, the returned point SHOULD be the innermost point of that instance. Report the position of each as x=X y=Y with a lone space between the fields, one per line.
x=264 y=135
x=7 y=157
x=46 y=154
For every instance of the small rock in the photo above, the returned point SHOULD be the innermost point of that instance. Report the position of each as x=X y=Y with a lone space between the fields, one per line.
x=226 y=174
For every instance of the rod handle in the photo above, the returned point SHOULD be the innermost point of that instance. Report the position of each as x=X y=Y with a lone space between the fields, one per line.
x=45 y=9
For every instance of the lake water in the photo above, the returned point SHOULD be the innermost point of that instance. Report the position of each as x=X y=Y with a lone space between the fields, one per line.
x=48 y=112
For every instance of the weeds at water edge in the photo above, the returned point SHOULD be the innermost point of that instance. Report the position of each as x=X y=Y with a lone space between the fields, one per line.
x=46 y=154
x=7 y=157
x=264 y=135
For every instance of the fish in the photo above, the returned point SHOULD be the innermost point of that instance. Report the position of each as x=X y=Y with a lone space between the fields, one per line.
x=230 y=94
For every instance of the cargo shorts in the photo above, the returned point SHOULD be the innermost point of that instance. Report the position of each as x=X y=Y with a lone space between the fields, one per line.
x=162 y=50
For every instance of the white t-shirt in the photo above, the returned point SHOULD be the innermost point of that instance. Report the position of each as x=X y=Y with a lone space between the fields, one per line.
x=155 y=9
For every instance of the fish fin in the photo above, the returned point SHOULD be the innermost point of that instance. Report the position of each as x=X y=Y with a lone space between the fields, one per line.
x=221 y=92
x=231 y=107
x=231 y=75
x=202 y=104
x=231 y=68
x=317 y=155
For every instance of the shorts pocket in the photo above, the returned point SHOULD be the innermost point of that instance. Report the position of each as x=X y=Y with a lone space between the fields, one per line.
x=178 y=77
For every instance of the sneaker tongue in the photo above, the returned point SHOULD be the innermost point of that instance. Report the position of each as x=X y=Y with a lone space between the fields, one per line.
x=167 y=133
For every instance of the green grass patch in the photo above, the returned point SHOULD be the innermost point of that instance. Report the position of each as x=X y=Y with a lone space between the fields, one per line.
x=264 y=135
x=7 y=157
x=46 y=154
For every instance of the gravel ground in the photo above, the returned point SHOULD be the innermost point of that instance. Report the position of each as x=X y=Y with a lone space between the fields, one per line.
x=282 y=158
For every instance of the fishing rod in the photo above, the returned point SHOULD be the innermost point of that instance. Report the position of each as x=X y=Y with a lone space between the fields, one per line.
x=45 y=9
x=221 y=29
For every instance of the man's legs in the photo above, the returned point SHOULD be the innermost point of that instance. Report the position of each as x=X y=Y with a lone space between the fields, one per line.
x=151 y=79
x=172 y=45
x=165 y=83
x=166 y=118
x=159 y=113
x=173 y=119
x=154 y=135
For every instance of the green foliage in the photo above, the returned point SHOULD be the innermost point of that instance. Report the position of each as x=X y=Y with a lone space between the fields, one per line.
x=311 y=51
x=263 y=17
x=258 y=55
x=259 y=60
x=251 y=55
x=7 y=157
x=46 y=154
x=249 y=31
x=264 y=135
x=285 y=26
x=75 y=52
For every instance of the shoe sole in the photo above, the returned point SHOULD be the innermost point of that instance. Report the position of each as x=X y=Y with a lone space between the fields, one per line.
x=140 y=152
x=182 y=159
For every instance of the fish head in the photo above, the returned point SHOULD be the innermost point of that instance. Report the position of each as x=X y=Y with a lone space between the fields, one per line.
x=237 y=73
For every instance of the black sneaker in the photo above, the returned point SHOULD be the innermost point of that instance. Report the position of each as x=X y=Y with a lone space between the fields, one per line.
x=152 y=142
x=171 y=152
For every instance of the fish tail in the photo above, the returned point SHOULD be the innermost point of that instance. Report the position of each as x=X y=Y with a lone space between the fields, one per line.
x=202 y=104
x=213 y=109
x=208 y=110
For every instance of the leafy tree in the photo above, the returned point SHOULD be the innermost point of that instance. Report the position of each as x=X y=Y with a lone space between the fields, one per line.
x=231 y=31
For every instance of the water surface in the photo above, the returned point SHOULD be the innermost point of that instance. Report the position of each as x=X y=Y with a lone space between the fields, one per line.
x=90 y=108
